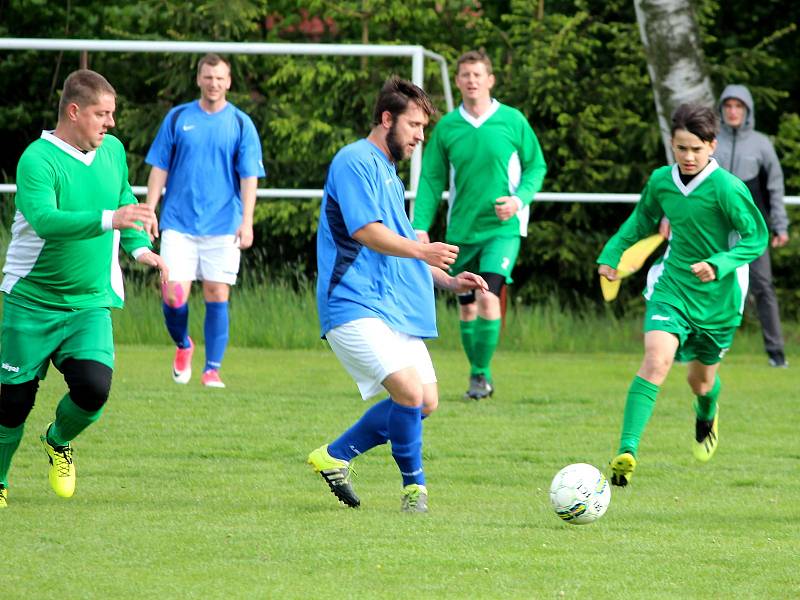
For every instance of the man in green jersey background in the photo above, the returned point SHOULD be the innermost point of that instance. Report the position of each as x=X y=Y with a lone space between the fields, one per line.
x=696 y=292
x=489 y=155
x=61 y=275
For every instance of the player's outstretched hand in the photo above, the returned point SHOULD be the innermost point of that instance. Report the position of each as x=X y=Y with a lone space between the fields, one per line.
x=466 y=281
x=155 y=260
x=608 y=272
x=439 y=254
x=140 y=217
x=704 y=272
x=422 y=236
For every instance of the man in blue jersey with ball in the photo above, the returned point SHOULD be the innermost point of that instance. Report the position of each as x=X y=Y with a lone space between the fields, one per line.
x=208 y=154
x=375 y=294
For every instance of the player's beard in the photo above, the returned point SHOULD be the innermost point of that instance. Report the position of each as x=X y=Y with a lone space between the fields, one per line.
x=394 y=145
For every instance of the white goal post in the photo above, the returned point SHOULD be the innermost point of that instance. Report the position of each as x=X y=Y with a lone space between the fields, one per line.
x=416 y=53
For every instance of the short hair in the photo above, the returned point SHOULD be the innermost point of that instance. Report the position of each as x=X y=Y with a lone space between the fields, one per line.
x=474 y=56
x=212 y=60
x=395 y=96
x=83 y=87
x=698 y=119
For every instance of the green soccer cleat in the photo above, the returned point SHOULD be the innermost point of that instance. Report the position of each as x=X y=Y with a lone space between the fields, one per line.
x=622 y=468
x=3 y=496
x=62 y=469
x=706 y=438
x=415 y=499
x=336 y=474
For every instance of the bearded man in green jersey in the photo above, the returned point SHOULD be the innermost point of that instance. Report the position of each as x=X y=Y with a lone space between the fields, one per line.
x=489 y=155
x=61 y=276
x=696 y=292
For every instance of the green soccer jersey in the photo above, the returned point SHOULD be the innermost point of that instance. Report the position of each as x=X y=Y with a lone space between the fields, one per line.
x=484 y=159
x=714 y=220
x=63 y=251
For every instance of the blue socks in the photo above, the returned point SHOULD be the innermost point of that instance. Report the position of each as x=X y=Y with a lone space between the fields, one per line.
x=385 y=421
x=369 y=431
x=405 y=431
x=216 y=333
x=177 y=319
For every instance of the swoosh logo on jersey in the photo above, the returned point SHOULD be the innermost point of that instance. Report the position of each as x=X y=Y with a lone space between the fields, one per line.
x=659 y=318
x=188 y=127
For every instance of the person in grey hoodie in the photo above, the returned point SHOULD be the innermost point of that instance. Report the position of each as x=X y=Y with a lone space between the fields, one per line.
x=750 y=155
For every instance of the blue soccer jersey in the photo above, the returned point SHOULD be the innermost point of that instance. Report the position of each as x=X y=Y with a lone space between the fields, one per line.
x=353 y=281
x=205 y=156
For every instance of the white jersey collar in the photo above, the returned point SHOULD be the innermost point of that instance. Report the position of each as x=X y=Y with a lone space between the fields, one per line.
x=483 y=118
x=712 y=166
x=86 y=158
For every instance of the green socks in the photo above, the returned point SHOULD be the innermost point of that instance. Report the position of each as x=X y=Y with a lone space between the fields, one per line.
x=705 y=407
x=487 y=335
x=71 y=419
x=10 y=438
x=468 y=339
x=638 y=408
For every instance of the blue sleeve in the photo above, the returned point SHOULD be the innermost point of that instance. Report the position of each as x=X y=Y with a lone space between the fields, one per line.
x=249 y=162
x=355 y=189
x=160 y=152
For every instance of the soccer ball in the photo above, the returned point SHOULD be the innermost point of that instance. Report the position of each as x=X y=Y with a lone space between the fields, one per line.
x=580 y=494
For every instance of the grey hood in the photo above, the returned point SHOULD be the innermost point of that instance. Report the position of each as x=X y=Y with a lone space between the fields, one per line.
x=740 y=92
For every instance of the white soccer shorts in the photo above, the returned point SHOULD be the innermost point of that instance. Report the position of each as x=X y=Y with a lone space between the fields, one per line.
x=370 y=351
x=206 y=257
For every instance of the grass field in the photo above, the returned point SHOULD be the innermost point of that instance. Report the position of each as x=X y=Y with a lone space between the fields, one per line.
x=185 y=492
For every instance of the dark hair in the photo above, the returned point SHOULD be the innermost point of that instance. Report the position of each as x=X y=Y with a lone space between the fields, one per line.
x=211 y=60
x=396 y=94
x=698 y=119
x=83 y=87
x=475 y=56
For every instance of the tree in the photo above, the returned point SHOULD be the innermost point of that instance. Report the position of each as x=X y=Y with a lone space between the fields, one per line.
x=675 y=58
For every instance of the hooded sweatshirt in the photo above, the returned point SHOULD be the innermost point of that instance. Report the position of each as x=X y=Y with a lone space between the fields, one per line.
x=750 y=156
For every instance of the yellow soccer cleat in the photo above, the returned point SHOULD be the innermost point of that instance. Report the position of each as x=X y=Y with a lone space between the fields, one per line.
x=622 y=468
x=3 y=496
x=706 y=438
x=631 y=261
x=62 y=469
x=336 y=474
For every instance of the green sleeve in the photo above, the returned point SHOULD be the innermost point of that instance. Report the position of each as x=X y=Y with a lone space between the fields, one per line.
x=642 y=223
x=130 y=239
x=36 y=200
x=749 y=223
x=534 y=167
x=435 y=169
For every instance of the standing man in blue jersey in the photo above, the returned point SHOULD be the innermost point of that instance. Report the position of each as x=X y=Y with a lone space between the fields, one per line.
x=375 y=294
x=208 y=154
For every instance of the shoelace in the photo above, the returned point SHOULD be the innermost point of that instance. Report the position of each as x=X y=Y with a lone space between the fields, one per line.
x=63 y=460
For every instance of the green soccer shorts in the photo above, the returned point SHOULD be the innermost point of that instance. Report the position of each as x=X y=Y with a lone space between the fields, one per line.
x=33 y=335
x=695 y=343
x=497 y=255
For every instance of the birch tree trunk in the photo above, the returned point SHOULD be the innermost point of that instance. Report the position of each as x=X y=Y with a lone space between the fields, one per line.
x=675 y=59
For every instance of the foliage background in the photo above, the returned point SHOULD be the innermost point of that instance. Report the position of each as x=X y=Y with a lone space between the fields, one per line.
x=577 y=70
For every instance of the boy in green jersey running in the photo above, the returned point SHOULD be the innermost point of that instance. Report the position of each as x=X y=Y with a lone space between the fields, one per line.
x=696 y=292
x=489 y=155
x=61 y=276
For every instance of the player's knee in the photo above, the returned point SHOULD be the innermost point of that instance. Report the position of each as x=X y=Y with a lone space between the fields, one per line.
x=174 y=295
x=655 y=368
x=89 y=383
x=430 y=404
x=16 y=402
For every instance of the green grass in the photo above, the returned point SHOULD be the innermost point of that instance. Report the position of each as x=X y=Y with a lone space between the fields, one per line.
x=185 y=492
